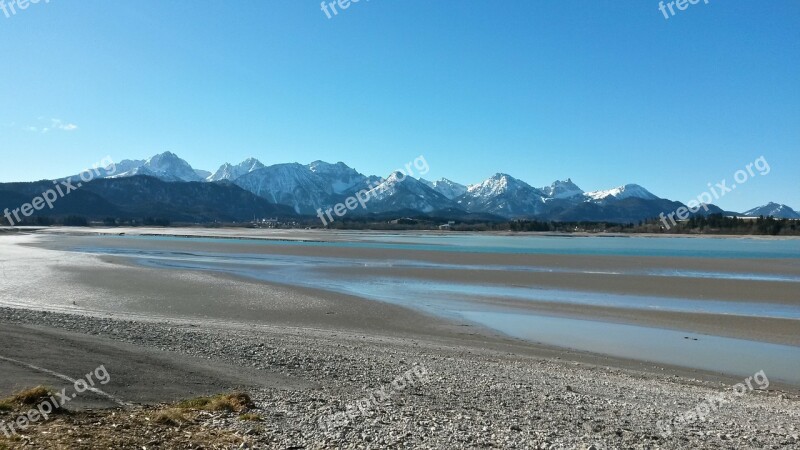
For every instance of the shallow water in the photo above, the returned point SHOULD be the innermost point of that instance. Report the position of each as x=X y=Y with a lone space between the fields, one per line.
x=753 y=248
x=468 y=302
x=717 y=354
x=294 y=270
x=322 y=261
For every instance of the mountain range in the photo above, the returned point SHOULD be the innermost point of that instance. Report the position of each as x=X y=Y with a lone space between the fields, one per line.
x=167 y=186
x=774 y=210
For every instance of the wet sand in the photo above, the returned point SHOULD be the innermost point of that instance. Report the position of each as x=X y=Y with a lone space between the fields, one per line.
x=478 y=394
x=324 y=349
x=243 y=243
x=775 y=330
x=114 y=287
x=117 y=286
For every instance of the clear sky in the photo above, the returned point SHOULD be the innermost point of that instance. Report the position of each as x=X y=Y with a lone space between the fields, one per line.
x=604 y=92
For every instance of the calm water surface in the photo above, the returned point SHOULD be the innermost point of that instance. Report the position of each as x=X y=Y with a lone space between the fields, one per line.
x=466 y=302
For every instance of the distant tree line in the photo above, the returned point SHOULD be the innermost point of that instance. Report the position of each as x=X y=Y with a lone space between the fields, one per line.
x=46 y=221
x=81 y=221
x=711 y=224
x=147 y=222
x=719 y=224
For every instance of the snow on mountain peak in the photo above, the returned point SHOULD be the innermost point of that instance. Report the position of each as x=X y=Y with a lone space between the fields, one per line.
x=448 y=188
x=342 y=177
x=498 y=184
x=403 y=192
x=324 y=166
x=503 y=195
x=166 y=166
x=776 y=210
x=308 y=187
x=230 y=172
x=495 y=184
x=562 y=189
x=397 y=181
x=396 y=177
x=289 y=184
x=621 y=192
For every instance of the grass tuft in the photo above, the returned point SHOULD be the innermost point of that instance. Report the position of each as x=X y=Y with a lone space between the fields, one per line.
x=169 y=416
x=233 y=402
x=251 y=417
x=27 y=397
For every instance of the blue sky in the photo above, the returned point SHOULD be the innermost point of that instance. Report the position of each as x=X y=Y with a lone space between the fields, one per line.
x=604 y=92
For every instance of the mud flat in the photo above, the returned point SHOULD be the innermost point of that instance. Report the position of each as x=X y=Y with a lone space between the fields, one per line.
x=473 y=395
x=322 y=352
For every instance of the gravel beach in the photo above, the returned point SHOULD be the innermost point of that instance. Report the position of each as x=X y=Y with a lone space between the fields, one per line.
x=331 y=370
x=472 y=397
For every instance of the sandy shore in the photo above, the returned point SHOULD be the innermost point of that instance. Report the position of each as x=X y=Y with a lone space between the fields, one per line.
x=188 y=294
x=188 y=298
x=473 y=395
x=486 y=389
x=236 y=243
x=334 y=235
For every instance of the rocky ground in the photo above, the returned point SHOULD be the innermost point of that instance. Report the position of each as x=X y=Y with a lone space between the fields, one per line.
x=442 y=397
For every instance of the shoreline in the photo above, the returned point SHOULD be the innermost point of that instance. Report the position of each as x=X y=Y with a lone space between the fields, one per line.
x=324 y=351
x=245 y=233
x=179 y=292
x=475 y=396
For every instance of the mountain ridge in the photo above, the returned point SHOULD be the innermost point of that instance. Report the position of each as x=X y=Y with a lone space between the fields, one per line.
x=305 y=188
x=776 y=210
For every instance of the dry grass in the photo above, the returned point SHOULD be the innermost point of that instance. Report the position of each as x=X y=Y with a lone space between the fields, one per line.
x=251 y=417
x=234 y=402
x=170 y=416
x=9 y=443
x=128 y=429
x=188 y=424
x=27 y=397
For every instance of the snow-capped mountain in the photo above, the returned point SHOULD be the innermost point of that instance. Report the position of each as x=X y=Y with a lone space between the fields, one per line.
x=449 y=189
x=166 y=166
x=290 y=184
x=230 y=172
x=305 y=188
x=126 y=165
x=775 y=210
x=562 y=189
x=111 y=170
x=342 y=178
x=621 y=192
x=402 y=192
x=504 y=196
